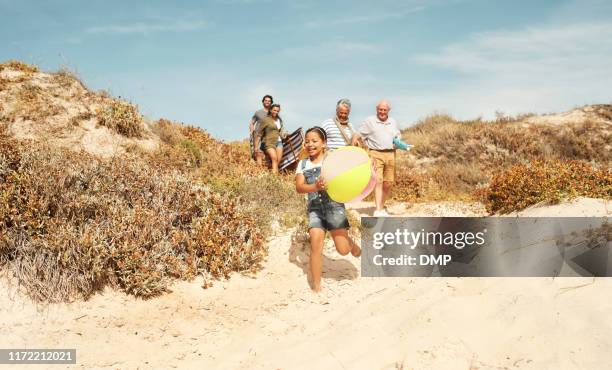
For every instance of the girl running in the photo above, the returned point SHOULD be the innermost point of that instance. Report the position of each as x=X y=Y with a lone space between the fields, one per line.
x=324 y=214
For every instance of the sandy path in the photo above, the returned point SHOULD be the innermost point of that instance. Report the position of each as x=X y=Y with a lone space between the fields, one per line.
x=273 y=321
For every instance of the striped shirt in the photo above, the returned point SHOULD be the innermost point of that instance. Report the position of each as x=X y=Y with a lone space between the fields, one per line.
x=335 y=139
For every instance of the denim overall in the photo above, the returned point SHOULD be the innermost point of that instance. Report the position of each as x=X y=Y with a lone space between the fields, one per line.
x=323 y=212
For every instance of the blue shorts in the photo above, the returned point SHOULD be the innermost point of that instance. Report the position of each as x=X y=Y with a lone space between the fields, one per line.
x=327 y=216
x=279 y=144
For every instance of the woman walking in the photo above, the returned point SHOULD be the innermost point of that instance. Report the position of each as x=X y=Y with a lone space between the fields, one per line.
x=269 y=131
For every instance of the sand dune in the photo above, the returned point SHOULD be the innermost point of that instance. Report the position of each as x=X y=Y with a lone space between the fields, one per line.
x=272 y=320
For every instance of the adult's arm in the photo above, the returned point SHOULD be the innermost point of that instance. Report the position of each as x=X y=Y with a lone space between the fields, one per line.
x=252 y=125
x=362 y=133
x=259 y=135
x=365 y=129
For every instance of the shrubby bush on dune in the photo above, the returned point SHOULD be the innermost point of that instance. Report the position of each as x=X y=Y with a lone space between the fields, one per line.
x=228 y=170
x=121 y=117
x=462 y=159
x=71 y=224
x=549 y=181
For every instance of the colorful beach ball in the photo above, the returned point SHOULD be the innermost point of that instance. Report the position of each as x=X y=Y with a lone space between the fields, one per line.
x=349 y=174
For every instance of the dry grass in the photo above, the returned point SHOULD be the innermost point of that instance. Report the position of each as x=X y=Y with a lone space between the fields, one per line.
x=27 y=72
x=4 y=84
x=228 y=170
x=34 y=104
x=67 y=79
x=169 y=132
x=451 y=159
x=550 y=181
x=121 y=117
x=603 y=110
x=71 y=224
x=79 y=118
x=18 y=66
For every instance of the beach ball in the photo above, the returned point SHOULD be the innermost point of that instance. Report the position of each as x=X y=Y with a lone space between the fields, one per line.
x=349 y=174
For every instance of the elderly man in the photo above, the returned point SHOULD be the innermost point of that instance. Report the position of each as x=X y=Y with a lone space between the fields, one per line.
x=378 y=133
x=258 y=116
x=339 y=130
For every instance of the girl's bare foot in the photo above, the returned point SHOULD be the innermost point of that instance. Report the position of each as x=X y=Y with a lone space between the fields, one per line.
x=355 y=251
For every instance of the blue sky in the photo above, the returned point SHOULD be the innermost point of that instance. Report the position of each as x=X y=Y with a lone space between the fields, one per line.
x=209 y=63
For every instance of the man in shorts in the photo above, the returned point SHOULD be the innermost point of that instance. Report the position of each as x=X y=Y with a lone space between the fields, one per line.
x=378 y=133
x=259 y=115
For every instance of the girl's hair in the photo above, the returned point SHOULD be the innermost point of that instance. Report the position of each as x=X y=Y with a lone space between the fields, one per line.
x=322 y=134
x=272 y=107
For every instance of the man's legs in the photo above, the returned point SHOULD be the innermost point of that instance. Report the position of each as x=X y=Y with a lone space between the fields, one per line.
x=379 y=166
x=378 y=195
x=385 y=177
x=386 y=191
x=388 y=176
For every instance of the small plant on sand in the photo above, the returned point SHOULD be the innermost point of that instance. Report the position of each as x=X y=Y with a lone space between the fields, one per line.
x=18 y=66
x=121 y=117
x=168 y=131
x=34 y=104
x=66 y=78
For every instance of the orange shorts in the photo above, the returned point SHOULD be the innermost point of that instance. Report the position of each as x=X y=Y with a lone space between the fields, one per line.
x=384 y=163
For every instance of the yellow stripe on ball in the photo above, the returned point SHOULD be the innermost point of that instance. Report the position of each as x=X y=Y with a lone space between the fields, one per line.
x=346 y=186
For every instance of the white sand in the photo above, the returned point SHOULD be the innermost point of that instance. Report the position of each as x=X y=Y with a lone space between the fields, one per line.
x=273 y=321
x=593 y=113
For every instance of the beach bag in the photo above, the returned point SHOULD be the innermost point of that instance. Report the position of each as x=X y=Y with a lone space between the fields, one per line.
x=347 y=140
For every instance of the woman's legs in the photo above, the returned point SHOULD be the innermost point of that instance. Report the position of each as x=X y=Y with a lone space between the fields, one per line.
x=316 y=256
x=273 y=158
x=344 y=243
x=279 y=154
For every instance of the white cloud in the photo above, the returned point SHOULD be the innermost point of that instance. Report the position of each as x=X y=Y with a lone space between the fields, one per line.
x=540 y=69
x=562 y=47
x=145 y=28
x=366 y=18
x=329 y=50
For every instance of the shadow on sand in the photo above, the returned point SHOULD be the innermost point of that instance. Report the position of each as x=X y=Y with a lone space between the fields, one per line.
x=337 y=269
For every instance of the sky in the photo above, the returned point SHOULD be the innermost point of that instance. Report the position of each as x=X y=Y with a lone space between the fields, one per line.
x=209 y=63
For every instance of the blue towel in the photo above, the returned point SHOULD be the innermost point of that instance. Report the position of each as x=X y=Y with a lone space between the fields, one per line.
x=399 y=144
